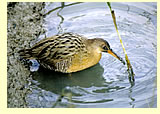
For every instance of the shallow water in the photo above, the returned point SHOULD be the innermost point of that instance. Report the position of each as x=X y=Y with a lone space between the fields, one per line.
x=106 y=84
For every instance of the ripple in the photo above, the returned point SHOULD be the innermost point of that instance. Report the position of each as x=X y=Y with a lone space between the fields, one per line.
x=107 y=84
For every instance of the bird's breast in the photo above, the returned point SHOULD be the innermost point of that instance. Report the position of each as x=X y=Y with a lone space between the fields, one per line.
x=81 y=61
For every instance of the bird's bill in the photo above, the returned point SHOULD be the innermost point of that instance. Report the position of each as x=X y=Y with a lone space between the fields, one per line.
x=115 y=55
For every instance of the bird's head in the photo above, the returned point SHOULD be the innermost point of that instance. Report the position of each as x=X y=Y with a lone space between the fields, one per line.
x=103 y=46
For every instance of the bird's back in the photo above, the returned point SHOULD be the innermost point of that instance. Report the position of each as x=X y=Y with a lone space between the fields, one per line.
x=58 y=52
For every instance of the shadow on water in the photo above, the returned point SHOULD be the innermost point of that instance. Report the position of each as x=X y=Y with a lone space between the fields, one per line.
x=60 y=29
x=105 y=84
x=56 y=82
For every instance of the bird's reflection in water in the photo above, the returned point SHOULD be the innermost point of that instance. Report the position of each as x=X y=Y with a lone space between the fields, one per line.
x=56 y=82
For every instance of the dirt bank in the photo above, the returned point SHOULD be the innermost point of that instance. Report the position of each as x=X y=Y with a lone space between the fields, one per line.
x=24 y=25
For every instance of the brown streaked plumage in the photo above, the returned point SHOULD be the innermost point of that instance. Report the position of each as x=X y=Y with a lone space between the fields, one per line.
x=68 y=52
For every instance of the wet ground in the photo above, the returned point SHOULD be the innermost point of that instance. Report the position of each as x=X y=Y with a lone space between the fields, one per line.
x=106 y=84
x=24 y=24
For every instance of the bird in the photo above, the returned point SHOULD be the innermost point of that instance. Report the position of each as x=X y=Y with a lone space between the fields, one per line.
x=68 y=52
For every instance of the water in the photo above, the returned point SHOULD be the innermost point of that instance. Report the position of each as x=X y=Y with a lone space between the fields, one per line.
x=106 y=84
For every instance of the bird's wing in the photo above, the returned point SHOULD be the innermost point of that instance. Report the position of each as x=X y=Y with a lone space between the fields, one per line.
x=58 y=47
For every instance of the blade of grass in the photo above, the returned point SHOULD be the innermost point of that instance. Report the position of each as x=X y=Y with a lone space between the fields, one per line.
x=63 y=5
x=130 y=69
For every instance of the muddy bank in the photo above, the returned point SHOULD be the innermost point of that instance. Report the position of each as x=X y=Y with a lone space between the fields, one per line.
x=24 y=25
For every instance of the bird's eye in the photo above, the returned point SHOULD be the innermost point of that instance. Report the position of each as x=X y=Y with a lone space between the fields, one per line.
x=105 y=48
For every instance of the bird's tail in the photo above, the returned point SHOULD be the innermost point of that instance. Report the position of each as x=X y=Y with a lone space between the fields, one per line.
x=25 y=53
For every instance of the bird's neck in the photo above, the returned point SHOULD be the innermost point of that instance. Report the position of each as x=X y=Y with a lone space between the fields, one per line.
x=92 y=46
x=94 y=52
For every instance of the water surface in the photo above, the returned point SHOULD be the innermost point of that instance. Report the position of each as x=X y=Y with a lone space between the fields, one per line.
x=106 y=84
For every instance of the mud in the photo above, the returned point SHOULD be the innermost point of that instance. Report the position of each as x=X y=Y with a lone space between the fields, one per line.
x=24 y=25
